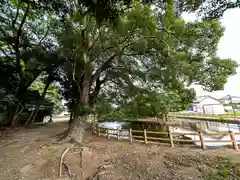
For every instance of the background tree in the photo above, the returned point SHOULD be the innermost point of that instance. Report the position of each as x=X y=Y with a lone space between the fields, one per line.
x=27 y=49
x=52 y=93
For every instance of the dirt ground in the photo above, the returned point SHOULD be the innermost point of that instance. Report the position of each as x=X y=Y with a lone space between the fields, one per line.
x=34 y=154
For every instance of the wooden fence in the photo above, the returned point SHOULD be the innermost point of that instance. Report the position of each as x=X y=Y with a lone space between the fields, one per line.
x=168 y=139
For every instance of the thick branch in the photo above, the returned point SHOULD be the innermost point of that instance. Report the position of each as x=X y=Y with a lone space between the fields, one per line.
x=23 y=21
x=102 y=68
x=139 y=53
x=17 y=13
x=18 y=40
x=49 y=80
x=171 y=33
x=45 y=35
x=111 y=59
x=121 y=41
x=6 y=37
x=4 y=53
x=107 y=64
x=93 y=42
x=97 y=88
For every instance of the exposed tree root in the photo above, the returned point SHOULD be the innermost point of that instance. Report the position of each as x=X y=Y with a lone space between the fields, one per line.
x=81 y=163
x=61 y=161
x=81 y=158
x=60 y=135
x=68 y=169
x=100 y=171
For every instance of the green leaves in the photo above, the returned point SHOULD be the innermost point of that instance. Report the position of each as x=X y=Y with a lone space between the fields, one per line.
x=6 y=100
x=214 y=75
x=142 y=62
x=53 y=95
x=152 y=104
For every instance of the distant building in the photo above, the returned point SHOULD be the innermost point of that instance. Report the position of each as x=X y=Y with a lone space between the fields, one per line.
x=230 y=102
x=230 y=99
x=206 y=105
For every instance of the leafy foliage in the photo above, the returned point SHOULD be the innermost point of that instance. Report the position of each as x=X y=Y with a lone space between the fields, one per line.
x=151 y=52
x=6 y=100
x=216 y=8
x=52 y=95
x=108 y=54
x=146 y=104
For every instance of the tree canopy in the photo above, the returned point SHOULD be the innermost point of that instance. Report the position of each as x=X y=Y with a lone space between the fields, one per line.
x=132 y=55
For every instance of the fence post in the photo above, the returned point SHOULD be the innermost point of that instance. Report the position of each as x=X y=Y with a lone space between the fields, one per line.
x=170 y=137
x=130 y=134
x=234 y=143
x=202 y=140
x=228 y=128
x=99 y=131
x=145 y=136
x=164 y=118
x=118 y=134
x=92 y=128
x=95 y=128
x=108 y=135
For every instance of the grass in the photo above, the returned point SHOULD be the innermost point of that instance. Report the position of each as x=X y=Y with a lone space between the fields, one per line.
x=219 y=116
x=221 y=170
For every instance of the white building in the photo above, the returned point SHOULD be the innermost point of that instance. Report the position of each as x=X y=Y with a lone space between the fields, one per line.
x=207 y=105
x=230 y=99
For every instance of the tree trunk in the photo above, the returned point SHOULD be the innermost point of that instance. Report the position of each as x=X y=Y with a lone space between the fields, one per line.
x=71 y=118
x=77 y=125
x=11 y=116
x=76 y=129
x=33 y=116
x=72 y=114
x=17 y=109
x=80 y=115
x=12 y=119
x=83 y=81
x=27 y=122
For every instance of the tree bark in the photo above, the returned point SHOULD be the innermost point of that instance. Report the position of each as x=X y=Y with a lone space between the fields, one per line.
x=32 y=117
x=83 y=81
x=12 y=119
x=76 y=129
x=71 y=118
x=27 y=122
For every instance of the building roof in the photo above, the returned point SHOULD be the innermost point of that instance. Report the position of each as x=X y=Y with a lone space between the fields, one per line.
x=229 y=97
x=201 y=98
x=233 y=99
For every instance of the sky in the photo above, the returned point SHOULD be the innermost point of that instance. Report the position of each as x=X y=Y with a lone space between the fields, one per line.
x=228 y=47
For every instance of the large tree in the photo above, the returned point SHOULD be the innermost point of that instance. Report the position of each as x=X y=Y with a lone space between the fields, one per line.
x=146 y=50
x=141 y=48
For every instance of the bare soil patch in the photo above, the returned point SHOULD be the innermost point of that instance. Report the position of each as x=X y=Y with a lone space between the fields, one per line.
x=34 y=154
